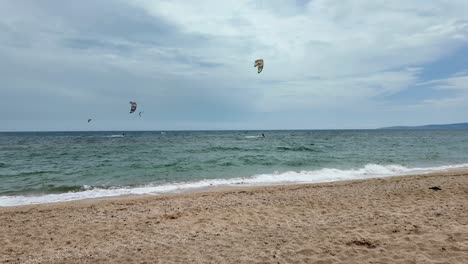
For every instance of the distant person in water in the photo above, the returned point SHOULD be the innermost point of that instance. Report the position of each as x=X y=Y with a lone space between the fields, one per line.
x=263 y=135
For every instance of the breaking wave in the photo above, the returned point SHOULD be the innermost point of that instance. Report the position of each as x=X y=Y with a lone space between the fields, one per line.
x=315 y=176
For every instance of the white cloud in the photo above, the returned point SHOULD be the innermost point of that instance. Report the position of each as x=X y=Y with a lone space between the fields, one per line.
x=457 y=84
x=453 y=83
x=458 y=81
x=446 y=102
x=335 y=92
x=319 y=55
x=345 y=48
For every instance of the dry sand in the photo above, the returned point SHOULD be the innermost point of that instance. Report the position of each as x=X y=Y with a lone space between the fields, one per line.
x=391 y=220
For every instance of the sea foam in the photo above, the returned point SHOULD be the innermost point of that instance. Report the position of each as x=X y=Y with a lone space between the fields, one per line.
x=315 y=176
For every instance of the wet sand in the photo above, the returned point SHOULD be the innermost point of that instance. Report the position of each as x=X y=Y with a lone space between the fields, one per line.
x=389 y=220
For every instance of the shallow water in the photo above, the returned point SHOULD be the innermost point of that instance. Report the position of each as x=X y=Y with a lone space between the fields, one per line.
x=57 y=166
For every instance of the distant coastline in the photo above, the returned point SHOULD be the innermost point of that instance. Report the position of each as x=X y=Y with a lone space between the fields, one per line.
x=433 y=126
x=439 y=126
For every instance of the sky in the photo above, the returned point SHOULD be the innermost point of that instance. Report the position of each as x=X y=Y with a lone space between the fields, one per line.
x=190 y=64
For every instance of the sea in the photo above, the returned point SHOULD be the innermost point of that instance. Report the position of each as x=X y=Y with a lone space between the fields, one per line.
x=45 y=167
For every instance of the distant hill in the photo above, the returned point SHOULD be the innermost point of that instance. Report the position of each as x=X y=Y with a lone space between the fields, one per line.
x=447 y=126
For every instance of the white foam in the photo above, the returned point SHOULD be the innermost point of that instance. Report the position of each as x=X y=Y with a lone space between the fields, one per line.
x=316 y=176
x=252 y=137
x=115 y=136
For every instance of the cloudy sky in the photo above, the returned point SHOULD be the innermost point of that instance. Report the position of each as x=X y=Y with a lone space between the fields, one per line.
x=189 y=64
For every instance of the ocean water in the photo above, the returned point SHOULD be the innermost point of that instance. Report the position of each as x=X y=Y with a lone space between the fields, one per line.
x=61 y=166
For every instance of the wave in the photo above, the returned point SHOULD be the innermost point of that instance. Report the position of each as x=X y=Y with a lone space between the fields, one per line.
x=298 y=148
x=252 y=137
x=315 y=176
x=114 y=136
x=220 y=148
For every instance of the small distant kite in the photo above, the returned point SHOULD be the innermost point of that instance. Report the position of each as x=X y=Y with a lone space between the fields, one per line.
x=259 y=64
x=133 y=107
x=89 y=120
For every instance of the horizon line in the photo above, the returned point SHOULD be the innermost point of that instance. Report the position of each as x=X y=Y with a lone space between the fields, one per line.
x=187 y=130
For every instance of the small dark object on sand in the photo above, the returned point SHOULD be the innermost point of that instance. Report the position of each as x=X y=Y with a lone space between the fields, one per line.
x=435 y=188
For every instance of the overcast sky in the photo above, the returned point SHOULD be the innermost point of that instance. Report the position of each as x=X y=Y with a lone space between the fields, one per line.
x=190 y=64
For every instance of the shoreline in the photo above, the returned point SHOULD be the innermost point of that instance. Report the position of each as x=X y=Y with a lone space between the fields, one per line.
x=227 y=186
x=394 y=219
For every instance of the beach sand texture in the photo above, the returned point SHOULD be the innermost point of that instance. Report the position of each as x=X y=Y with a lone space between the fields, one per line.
x=389 y=220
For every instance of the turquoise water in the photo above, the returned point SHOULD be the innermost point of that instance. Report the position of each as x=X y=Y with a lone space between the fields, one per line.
x=46 y=166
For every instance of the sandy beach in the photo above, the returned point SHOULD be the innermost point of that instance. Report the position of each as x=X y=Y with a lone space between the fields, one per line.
x=389 y=220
